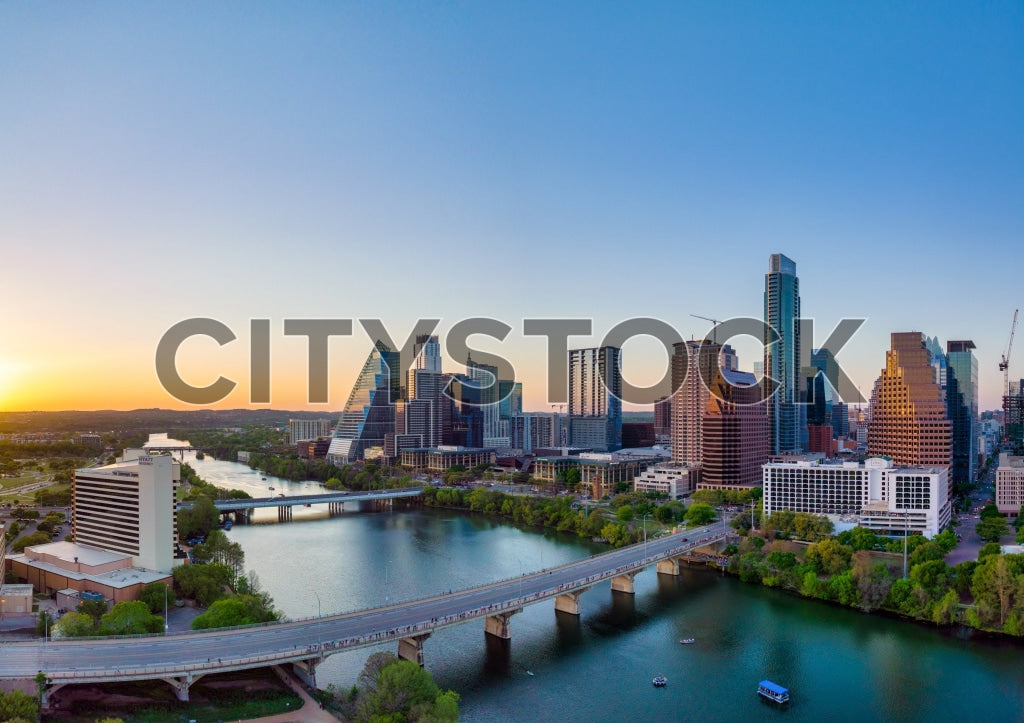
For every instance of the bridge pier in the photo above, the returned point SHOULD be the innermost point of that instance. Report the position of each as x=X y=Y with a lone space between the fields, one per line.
x=497 y=625
x=335 y=508
x=624 y=583
x=284 y=513
x=569 y=602
x=669 y=566
x=305 y=670
x=411 y=648
x=181 y=684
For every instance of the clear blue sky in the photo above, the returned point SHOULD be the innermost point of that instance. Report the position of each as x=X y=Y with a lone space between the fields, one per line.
x=169 y=160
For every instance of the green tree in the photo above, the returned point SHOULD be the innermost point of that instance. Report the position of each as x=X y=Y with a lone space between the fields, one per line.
x=199 y=520
x=220 y=549
x=95 y=609
x=402 y=690
x=873 y=580
x=130 y=618
x=947 y=610
x=18 y=706
x=828 y=557
x=991 y=548
x=700 y=514
x=624 y=513
x=74 y=625
x=154 y=594
x=991 y=528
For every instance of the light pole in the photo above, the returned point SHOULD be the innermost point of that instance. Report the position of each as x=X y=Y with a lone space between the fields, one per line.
x=167 y=625
x=318 y=639
x=386 y=563
x=906 y=525
x=645 y=536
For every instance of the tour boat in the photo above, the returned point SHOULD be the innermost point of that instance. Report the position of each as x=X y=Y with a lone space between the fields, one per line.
x=660 y=681
x=687 y=641
x=269 y=488
x=773 y=691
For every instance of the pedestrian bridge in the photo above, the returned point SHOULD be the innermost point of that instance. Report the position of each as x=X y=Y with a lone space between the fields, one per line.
x=181 y=659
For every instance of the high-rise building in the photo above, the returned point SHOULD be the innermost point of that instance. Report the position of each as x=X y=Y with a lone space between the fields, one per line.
x=485 y=377
x=782 y=357
x=300 y=430
x=962 y=408
x=908 y=413
x=735 y=432
x=663 y=417
x=530 y=431
x=1010 y=484
x=369 y=414
x=1013 y=418
x=840 y=419
x=427 y=353
x=128 y=507
x=595 y=398
x=694 y=365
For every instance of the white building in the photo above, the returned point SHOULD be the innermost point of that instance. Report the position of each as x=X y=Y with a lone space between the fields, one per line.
x=1010 y=484
x=304 y=429
x=675 y=480
x=128 y=507
x=881 y=497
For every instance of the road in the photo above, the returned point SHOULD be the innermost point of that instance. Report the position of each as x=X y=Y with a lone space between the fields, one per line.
x=158 y=656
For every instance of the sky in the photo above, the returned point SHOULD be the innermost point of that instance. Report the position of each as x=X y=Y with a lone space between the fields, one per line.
x=166 y=161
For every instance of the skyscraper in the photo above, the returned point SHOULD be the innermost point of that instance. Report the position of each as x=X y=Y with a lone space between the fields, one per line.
x=595 y=398
x=908 y=414
x=694 y=364
x=735 y=432
x=962 y=407
x=782 y=358
x=369 y=414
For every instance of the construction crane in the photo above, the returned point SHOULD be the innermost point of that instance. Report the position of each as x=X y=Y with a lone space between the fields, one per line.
x=714 y=329
x=1004 y=363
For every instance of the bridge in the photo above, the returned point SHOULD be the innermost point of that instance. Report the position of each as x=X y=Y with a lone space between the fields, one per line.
x=285 y=503
x=181 y=659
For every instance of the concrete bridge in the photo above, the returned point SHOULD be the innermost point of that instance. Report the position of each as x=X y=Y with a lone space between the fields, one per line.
x=181 y=659
x=242 y=508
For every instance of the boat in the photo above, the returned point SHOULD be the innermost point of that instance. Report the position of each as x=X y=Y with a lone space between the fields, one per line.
x=227 y=524
x=660 y=681
x=269 y=488
x=773 y=691
x=688 y=641
x=263 y=478
x=529 y=672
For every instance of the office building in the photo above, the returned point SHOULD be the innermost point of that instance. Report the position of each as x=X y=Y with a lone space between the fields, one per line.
x=962 y=408
x=674 y=480
x=301 y=430
x=530 y=431
x=1010 y=484
x=694 y=365
x=369 y=414
x=735 y=433
x=1013 y=418
x=663 y=417
x=908 y=413
x=875 y=494
x=782 y=357
x=595 y=398
x=427 y=353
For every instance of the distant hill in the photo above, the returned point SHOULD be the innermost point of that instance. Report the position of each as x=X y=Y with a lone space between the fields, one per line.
x=153 y=420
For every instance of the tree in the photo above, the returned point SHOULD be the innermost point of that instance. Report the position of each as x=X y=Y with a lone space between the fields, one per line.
x=74 y=625
x=700 y=513
x=991 y=548
x=156 y=595
x=991 y=528
x=828 y=557
x=399 y=690
x=219 y=548
x=18 y=706
x=130 y=618
x=624 y=513
x=873 y=580
x=224 y=614
x=93 y=608
x=198 y=521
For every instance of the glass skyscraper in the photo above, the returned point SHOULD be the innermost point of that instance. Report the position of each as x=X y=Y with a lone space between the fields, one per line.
x=962 y=408
x=595 y=398
x=369 y=414
x=782 y=358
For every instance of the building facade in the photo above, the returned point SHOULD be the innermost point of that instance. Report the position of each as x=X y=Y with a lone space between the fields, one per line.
x=369 y=414
x=301 y=430
x=908 y=420
x=782 y=356
x=962 y=408
x=735 y=433
x=876 y=494
x=128 y=508
x=674 y=480
x=694 y=365
x=595 y=398
x=1010 y=484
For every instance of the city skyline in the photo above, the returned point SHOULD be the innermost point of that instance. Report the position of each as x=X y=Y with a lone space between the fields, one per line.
x=365 y=162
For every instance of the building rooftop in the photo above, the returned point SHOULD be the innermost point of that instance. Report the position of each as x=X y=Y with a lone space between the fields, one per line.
x=125 y=577
x=15 y=589
x=72 y=552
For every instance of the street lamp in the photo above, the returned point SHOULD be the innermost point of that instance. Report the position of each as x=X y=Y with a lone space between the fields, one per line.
x=386 y=563
x=167 y=624
x=318 y=638
x=645 y=535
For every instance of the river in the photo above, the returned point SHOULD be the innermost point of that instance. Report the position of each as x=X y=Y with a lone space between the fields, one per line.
x=839 y=664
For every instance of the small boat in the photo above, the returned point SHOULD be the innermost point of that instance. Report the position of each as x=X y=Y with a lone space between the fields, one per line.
x=688 y=641
x=660 y=681
x=529 y=672
x=263 y=478
x=773 y=691
x=269 y=488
